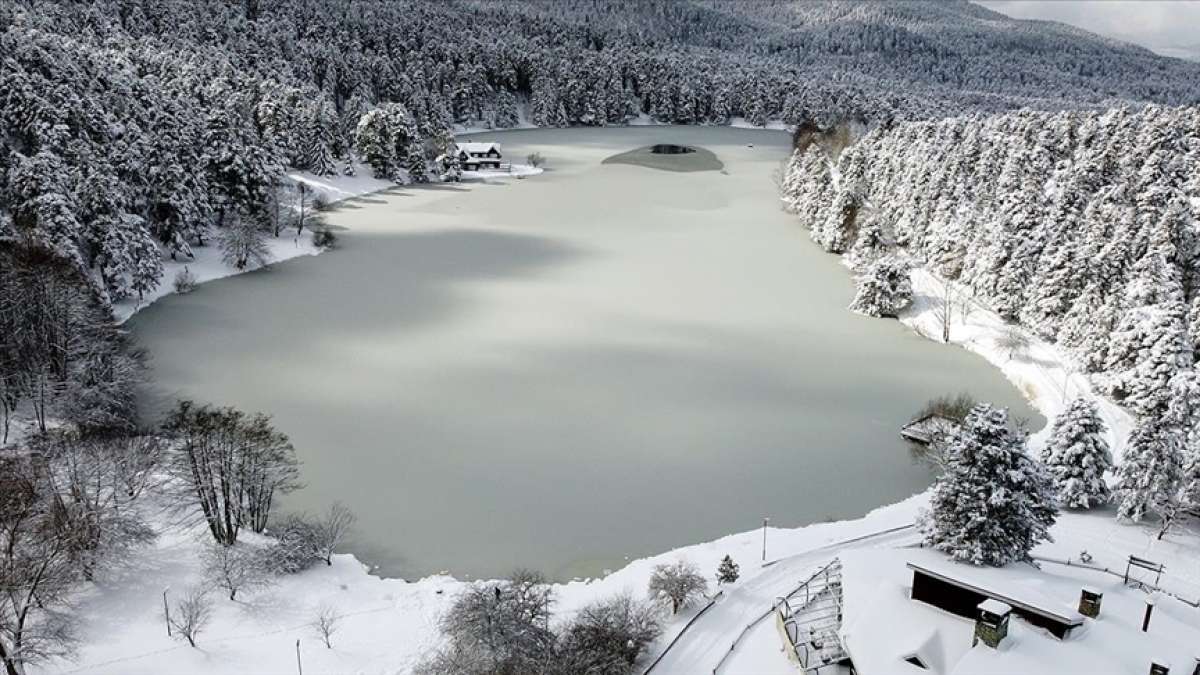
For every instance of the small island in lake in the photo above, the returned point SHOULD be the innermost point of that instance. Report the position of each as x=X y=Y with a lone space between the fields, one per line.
x=669 y=157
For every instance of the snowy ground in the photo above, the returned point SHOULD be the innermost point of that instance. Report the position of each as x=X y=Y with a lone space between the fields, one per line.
x=207 y=264
x=1040 y=371
x=388 y=624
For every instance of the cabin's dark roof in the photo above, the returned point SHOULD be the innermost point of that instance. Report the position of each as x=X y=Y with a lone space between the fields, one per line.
x=1018 y=596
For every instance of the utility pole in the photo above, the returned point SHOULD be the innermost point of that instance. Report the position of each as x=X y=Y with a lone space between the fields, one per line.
x=299 y=666
x=765 y=521
x=167 y=610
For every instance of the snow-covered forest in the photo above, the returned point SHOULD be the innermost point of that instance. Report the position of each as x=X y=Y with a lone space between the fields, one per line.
x=135 y=126
x=1082 y=226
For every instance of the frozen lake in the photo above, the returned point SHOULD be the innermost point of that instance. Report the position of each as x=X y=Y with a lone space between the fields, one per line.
x=594 y=364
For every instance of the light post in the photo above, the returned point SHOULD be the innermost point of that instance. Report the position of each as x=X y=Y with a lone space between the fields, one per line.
x=765 y=521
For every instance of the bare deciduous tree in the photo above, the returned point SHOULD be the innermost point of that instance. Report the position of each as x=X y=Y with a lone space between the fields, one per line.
x=679 y=583
x=296 y=544
x=136 y=460
x=231 y=464
x=243 y=242
x=235 y=568
x=37 y=569
x=326 y=623
x=944 y=312
x=192 y=614
x=506 y=622
x=608 y=636
x=89 y=502
x=332 y=529
x=1012 y=340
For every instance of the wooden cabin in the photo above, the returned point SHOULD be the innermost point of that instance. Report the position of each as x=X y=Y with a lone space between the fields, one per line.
x=476 y=156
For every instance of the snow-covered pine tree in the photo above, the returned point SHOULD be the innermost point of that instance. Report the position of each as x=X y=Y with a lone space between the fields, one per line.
x=994 y=503
x=727 y=571
x=1077 y=456
x=385 y=137
x=868 y=247
x=884 y=289
x=1149 y=474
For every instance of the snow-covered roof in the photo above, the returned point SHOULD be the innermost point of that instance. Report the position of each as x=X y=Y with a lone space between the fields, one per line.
x=883 y=625
x=470 y=147
x=1007 y=584
x=994 y=606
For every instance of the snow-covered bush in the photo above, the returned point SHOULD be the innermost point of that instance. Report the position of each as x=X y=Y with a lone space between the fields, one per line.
x=607 y=636
x=503 y=626
x=184 y=281
x=296 y=546
x=993 y=503
x=324 y=237
x=678 y=584
x=243 y=243
x=1077 y=456
x=884 y=289
x=535 y=159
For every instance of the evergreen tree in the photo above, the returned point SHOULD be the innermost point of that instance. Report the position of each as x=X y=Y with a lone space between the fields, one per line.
x=1077 y=456
x=994 y=503
x=727 y=571
x=884 y=289
x=1149 y=474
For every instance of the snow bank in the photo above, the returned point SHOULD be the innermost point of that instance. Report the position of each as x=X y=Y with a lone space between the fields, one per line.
x=742 y=123
x=517 y=171
x=207 y=264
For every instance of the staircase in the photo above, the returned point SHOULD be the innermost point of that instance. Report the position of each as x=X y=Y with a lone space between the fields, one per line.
x=809 y=619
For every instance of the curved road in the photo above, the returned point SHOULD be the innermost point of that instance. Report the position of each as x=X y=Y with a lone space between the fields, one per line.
x=700 y=649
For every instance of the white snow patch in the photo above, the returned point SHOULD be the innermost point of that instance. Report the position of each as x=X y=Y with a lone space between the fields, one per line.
x=741 y=123
x=517 y=171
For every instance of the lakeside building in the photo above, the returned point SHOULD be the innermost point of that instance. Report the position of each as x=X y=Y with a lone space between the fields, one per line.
x=476 y=156
x=912 y=610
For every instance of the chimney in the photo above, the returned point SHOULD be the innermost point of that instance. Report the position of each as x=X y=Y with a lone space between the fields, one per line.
x=991 y=626
x=1089 y=602
x=1159 y=669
